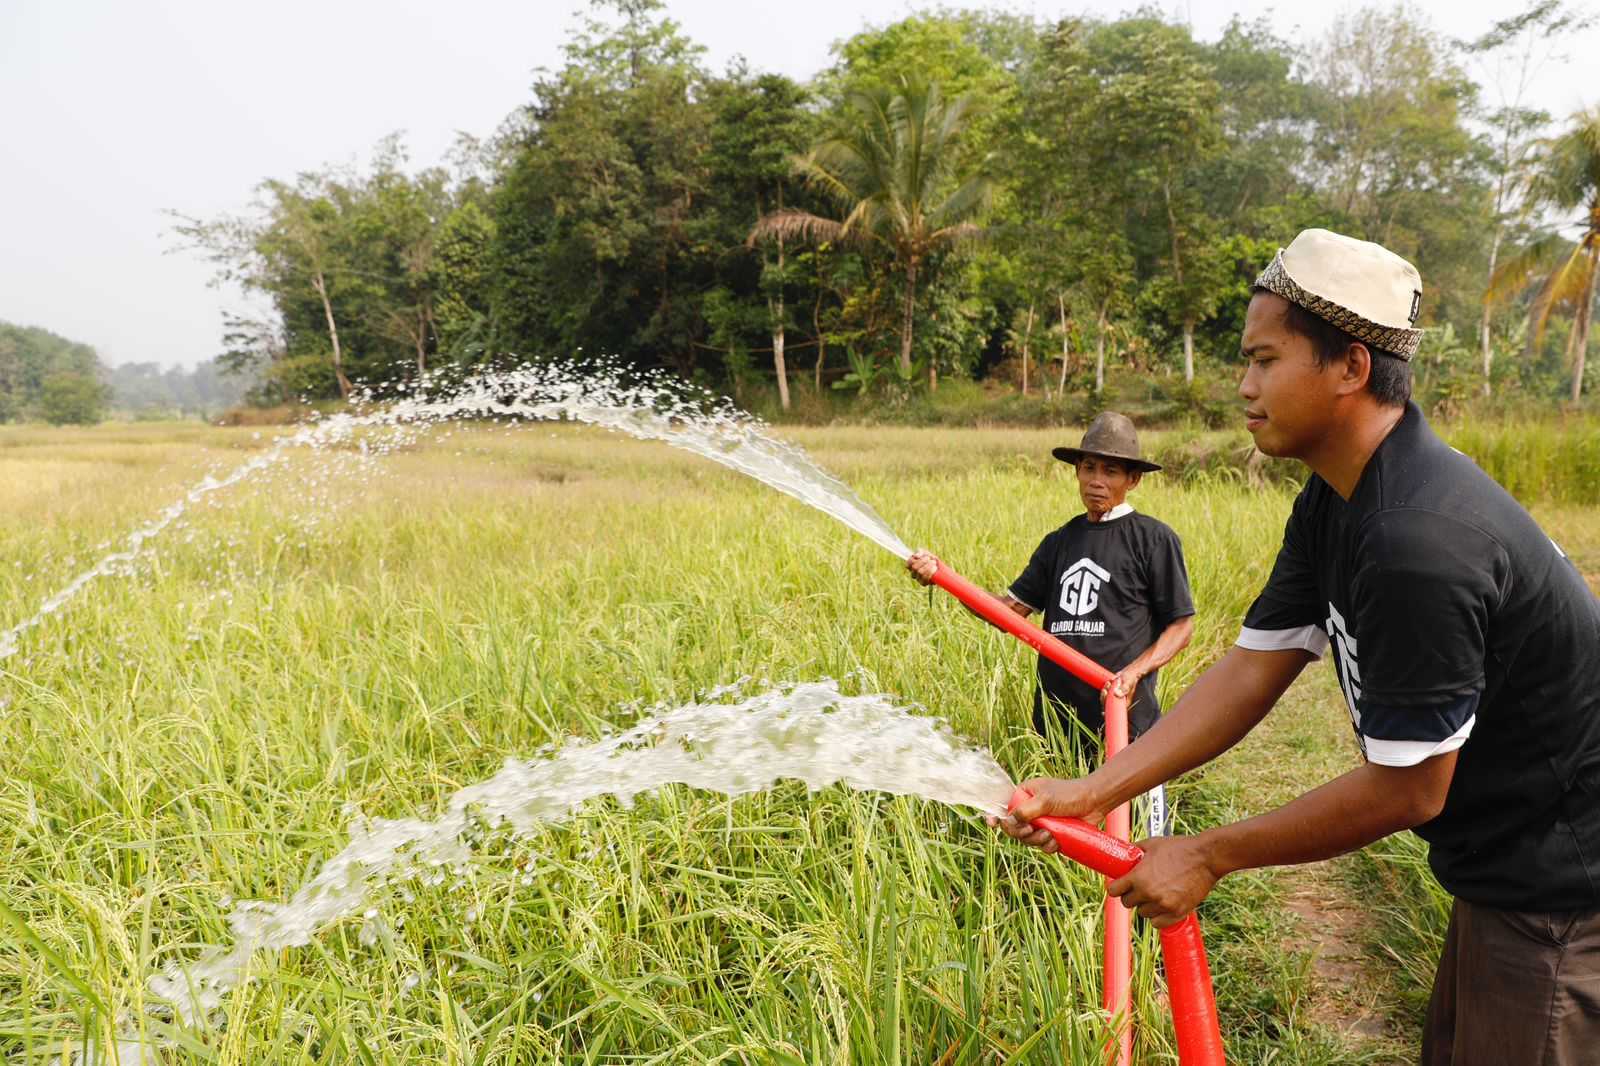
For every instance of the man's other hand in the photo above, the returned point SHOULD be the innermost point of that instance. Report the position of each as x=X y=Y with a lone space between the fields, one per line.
x=1169 y=882
x=923 y=565
x=1122 y=684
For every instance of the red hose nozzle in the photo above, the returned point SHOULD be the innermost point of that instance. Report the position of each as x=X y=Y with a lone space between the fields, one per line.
x=1083 y=843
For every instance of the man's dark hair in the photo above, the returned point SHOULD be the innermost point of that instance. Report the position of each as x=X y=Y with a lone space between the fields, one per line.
x=1390 y=378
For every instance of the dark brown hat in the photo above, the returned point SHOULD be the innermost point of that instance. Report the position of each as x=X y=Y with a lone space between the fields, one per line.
x=1110 y=436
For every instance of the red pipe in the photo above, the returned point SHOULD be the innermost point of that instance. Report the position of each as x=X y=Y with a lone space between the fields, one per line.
x=1118 y=920
x=1194 y=1005
x=1117 y=993
x=1194 y=1002
x=993 y=611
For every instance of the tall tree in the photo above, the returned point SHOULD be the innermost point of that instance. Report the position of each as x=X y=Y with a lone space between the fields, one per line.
x=985 y=56
x=760 y=125
x=1072 y=187
x=1136 y=108
x=974 y=54
x=1568 y=180
x=1393 y=155
x=460 y=279
x=1264 y=117
x=289 y=249
x=891 y=167
x=347 y=260
x=302 y=242
x=1515 y=49
x=397 y=226
x=596 y=219
x=1168 y=105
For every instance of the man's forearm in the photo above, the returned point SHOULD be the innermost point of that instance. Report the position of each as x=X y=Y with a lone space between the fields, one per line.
x=1349 y=812
x=1176 y=873
x=1223 y=705
x=1172 y=640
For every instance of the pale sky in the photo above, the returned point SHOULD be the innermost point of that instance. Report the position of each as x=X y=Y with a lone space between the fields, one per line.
x=111 y=111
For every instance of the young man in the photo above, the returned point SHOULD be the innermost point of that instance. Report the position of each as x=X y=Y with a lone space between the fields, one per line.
x=1465 y=643
x=1111 y=583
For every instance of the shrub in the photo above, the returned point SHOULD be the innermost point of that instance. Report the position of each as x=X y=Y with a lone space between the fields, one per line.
x=287 y=380
x=73 y=399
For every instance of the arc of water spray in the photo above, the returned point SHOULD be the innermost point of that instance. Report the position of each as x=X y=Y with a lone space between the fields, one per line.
x=135 y=543
x=807 y=732
x=323 y=433
x=650 y=408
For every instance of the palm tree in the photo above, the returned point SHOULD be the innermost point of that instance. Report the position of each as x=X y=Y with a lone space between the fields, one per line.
x=1565 y=272
x=893 y=166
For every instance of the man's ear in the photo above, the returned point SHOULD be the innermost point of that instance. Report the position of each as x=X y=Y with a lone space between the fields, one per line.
x=1133 y=478
x=1356 y=369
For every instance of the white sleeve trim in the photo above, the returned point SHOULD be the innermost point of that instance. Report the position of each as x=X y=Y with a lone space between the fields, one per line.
x=1020 y=600
x=1411 y=752
x=1304 y=638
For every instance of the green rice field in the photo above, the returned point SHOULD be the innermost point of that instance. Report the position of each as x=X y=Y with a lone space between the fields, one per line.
x=350 y=633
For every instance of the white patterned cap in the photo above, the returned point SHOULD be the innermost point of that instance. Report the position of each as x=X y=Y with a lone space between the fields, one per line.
x=1363 y=288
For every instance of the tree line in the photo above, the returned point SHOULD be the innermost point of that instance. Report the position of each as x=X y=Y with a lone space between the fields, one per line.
x=150 y=390
x=962 y=193
x=47 y=377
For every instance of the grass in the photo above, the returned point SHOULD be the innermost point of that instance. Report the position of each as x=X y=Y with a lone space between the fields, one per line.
x=380 y=634
x=1536 y=451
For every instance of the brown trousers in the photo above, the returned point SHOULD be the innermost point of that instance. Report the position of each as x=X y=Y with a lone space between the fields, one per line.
x=1515 y=988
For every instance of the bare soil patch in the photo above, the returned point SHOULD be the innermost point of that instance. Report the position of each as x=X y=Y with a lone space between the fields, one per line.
x=1304 y=742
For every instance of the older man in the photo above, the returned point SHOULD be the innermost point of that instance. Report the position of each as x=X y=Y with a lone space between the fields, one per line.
x=1111 y=583
x=1465 y=643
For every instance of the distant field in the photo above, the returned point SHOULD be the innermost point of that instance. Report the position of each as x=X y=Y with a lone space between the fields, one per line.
x=382 y=632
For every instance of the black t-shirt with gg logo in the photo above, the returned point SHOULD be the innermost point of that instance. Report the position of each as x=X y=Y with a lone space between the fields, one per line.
x=1456 y=624
x=1107 y=589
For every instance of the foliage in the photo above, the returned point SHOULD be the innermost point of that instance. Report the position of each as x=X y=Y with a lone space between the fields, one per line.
x=1515 y=48
x=72 y=399
x=864 y=372
x=1570 y=179
x=1397 y=161
x=460 y=279
x=149 y=390
x=362 y=270
x=30 y=357
x=1442 y=373
x=760 y=124
x=46 y=376
x=1131 y=181
x=891 y=165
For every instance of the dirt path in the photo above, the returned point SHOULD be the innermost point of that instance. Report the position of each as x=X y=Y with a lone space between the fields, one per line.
x=1346 y=990
x=1304 y=742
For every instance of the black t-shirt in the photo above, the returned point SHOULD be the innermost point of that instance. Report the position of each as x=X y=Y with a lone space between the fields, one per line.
x=1107 y=589
x=1456 y=625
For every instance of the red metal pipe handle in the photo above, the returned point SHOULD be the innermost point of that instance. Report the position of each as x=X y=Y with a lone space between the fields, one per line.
x=1194 y=1003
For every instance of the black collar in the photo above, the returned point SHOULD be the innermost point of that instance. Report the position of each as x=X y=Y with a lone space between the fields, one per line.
x=1408 y=444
